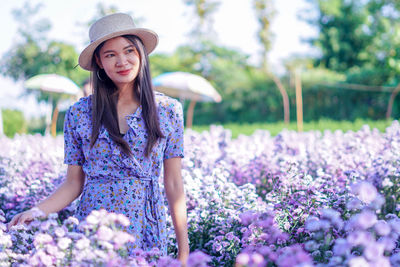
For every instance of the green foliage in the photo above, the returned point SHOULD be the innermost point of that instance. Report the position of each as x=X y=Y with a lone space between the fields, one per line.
x=161 y=63
x=359 y=38
x=320 y=125
x=342 y=39
x=34 y=54
x=202 y=11
x=265 y=13
x=36 y=125
x=13 y=122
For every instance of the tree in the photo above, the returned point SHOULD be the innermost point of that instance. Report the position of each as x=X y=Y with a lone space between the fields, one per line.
x=359 y=38
x=264 y=12
x=35 y=54
x=203 y=10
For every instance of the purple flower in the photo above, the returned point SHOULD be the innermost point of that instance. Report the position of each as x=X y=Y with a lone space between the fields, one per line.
x=356 y=238
x=198 y=259
x=381 y=262
x=247 y=217
x=167 y=261
x=71 y=221
x=217 y=247
x=395 y=224
x=382 y=228
x=395 y=259
x=373 y=251
x=353 y=204
x=341 y=247
x=243 y=259
x=311 y=245
x=365 y=219
x=365 y=191
x=388 y=243
x=313 y=224
x=230 y=236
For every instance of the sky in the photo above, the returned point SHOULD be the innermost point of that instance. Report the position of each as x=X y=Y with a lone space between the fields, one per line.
x=234 y=22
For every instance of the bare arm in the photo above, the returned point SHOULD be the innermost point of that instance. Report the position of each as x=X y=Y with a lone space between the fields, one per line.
x=177 y=203
x=69 y=190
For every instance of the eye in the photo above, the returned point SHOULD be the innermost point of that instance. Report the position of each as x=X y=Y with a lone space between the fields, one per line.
x=109 y=55
x=130 y=50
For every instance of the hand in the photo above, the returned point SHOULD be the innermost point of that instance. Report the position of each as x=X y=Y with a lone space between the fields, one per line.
x=26 y=217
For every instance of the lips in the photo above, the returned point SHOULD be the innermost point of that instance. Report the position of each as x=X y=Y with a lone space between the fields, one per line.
x=124 y=72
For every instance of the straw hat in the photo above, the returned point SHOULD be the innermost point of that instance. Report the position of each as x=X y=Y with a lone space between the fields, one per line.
x=112 y=26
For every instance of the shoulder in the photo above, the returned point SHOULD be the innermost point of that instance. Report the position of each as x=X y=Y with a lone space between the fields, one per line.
x=83 y=105
x=167 y=104
x=80 y=111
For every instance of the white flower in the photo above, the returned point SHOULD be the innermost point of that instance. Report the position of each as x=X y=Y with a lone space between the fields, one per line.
x=82 y=243
x=104 y=233
x=92 y=219
x=63 y=242
x=387 y=183
x=358 y=262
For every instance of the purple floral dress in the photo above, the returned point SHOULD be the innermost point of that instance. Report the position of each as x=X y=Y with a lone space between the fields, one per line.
x=123 y=184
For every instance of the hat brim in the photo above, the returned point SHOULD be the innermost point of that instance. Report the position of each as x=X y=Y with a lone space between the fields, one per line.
x=148 y=38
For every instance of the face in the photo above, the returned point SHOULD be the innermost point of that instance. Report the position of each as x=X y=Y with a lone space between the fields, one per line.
x=120 y=60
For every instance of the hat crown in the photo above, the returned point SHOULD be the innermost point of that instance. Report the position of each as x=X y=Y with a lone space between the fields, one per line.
x=110 y=24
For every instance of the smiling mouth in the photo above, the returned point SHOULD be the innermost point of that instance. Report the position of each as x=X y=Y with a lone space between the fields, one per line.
x=124 y=72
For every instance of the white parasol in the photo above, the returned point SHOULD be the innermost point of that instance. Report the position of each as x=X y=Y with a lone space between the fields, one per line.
x=53 y=84
x=189 y=86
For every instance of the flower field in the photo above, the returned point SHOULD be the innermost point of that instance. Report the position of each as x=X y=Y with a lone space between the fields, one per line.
x=296 y=199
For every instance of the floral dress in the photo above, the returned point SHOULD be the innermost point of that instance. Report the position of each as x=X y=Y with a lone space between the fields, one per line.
x=120 y=183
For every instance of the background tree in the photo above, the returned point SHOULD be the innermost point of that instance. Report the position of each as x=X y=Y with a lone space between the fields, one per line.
x=33 y=54
x=359 y=38
x=203 y=10
x=265 y=12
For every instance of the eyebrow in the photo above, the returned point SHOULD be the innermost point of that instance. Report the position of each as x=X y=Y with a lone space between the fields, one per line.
x=126 y=47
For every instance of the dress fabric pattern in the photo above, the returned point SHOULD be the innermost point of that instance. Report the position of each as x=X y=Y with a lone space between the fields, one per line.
x=120 y=183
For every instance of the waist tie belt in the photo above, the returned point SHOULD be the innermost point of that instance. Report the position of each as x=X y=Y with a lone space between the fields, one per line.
x=152 y=194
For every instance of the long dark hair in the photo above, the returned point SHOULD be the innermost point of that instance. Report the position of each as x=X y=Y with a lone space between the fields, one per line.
x=105 y=98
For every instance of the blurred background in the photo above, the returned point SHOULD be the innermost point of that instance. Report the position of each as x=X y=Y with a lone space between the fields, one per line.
x=275 y=64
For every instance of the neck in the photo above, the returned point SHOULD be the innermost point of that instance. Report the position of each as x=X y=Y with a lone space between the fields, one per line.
x=126 y=95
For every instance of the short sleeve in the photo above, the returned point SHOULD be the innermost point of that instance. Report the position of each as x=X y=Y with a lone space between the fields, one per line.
x=73 y=153
x=174 y=145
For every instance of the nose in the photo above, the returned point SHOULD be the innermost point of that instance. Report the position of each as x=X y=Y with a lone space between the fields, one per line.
x=121 y=61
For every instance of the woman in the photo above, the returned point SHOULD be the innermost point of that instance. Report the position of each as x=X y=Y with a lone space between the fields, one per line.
x=118 y=140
